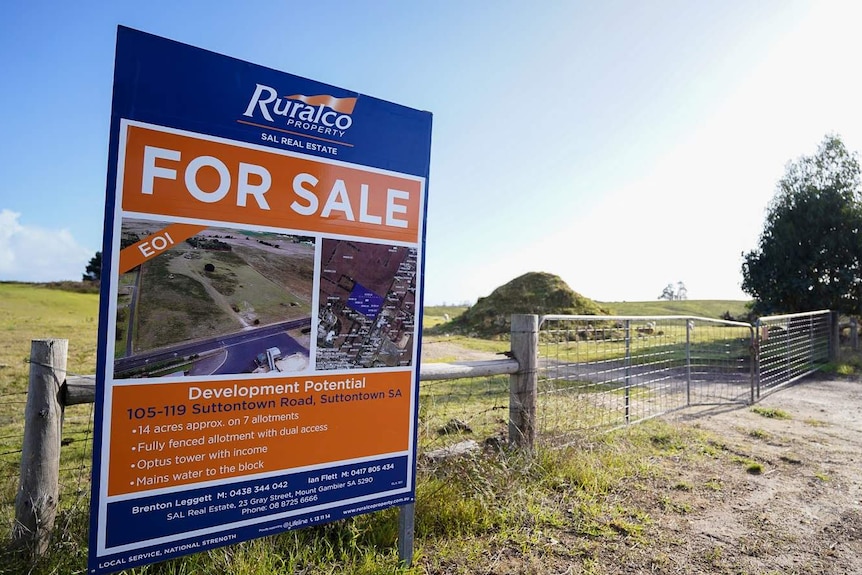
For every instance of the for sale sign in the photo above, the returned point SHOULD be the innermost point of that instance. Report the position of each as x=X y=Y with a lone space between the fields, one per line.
x=261 y=304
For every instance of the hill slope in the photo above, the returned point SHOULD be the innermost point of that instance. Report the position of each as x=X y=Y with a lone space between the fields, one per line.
x=534 y=293
x=736 y=309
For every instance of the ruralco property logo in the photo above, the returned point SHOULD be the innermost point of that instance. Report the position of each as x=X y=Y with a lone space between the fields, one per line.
x=322 y=114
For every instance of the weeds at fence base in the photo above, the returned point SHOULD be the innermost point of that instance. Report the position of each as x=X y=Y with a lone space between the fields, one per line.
x=770 y=413
x=494 y=511
x=495 y=505
x=848 y=363
x=67 y=549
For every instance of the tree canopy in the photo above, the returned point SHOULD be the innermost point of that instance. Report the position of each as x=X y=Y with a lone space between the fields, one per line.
x=93 y=271
x=671 y=294
x=809 y=254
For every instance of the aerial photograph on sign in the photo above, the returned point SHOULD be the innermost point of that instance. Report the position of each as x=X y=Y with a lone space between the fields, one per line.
x=222 y=301
x=367 y=309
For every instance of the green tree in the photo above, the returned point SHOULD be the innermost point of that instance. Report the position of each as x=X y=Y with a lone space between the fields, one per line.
x=667 y=293
x=810 y=250
x=671 y=294
x=93 y=272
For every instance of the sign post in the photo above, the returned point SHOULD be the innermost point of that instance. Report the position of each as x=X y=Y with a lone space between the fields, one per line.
x=261 y=305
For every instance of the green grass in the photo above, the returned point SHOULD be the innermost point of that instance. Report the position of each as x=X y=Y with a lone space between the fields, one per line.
x=771 y=413
x=701 y=308
x=436 y=314
x=464 y=508
x=180 y=300
x=172 y=310
x=470 y=343
x=715 y=309
x=707 y=343
x=816 y=423
x=754 y=467
x=243 y=287
x=719 y=345
x=467 y=510
x=849 y=363
x=481 y=403
x=29 y=312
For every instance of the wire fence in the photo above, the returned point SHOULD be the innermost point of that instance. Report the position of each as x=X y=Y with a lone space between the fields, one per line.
x=76 y=446
x=790 y=347
x=12 y=424
x=608 y=372
x=454 y=410
x=591 y=373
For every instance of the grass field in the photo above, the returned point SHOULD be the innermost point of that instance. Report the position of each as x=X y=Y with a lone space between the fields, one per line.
x=176 y=309
x=437 y=314
x=29 y=312
x=466 y=510
x=714 y=309
x=189 y=293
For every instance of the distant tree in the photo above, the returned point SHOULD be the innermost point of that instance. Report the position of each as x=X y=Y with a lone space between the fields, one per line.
x=667 y=293
x=809 y=254
x=93 y=271
x=670 y=293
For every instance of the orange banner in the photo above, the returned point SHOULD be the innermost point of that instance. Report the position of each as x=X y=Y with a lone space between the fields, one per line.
x=343 y=105
x=177 y=175
x=164 y=435
x=154 y=244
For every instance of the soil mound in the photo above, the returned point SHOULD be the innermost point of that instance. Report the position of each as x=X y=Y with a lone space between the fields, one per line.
x=534 y=292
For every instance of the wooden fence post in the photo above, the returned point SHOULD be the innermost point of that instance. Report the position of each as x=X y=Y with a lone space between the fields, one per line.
x=834 y=336
x=854 y=334
x=38 y=491
x=522 y=385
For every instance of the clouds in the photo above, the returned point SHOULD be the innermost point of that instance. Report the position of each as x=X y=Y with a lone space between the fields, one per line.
x=34 y=254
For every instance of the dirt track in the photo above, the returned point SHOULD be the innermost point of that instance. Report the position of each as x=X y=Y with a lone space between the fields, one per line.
x=802 y=514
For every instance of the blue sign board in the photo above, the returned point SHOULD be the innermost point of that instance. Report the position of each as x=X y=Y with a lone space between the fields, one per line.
x=260 y=314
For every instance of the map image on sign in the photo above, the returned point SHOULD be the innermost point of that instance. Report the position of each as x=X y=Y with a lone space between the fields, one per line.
x=222 y=301
x=367 y=306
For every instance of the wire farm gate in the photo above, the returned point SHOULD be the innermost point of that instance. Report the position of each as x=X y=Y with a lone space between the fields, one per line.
x=609 y=371
x=792 y=346
x=566 y=373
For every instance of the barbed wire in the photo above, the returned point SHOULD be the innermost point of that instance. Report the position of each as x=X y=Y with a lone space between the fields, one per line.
x=53 y=367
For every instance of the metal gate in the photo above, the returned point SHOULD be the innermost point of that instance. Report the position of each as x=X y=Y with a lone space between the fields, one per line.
x=609 y=371
x=790 y=347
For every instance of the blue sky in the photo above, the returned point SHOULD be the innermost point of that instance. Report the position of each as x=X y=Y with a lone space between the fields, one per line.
x=621 y=145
